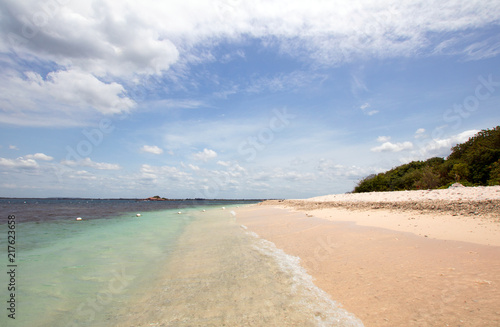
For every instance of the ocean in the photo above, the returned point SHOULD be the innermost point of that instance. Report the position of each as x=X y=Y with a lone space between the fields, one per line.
x=162 y=268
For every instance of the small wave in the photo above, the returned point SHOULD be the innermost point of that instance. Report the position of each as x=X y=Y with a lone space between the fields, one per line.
x=327 y=312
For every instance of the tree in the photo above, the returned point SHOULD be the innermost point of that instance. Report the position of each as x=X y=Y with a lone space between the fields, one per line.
x=429 y=179
x=365 y=185
x=495 y=174
x=479 y=153
x=459 y=170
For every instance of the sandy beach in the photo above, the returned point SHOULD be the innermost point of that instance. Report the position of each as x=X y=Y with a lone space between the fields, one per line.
x=415 y=258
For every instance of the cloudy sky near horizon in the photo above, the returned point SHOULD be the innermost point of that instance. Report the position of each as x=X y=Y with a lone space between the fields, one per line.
x=236 y=99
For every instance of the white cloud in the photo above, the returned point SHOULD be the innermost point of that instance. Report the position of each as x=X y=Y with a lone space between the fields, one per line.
x=39 y=156
x=364 y=107
x=441 y=147
x=224 y=163
x=420 y=133
x=82 y=175
x=328 y=168
x=151 y=149
x=143 y=35
x=383 y=138
x=372 y=112
x=87 y=162
x=233 y=169
x=62 y=97
x=19 y=163
x=205 y=155
x=98 y=49
x=393 y=147
x=238 y=54
x=193 y=167
x=176 y=104
x=282 y=82
x=13 y=147
x=27 y=162
x=103 y=38
x=227 y=91
x=124 y=38
x=483 y=50
x=158 y=173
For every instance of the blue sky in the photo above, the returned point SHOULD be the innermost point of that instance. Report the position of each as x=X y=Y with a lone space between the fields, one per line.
x=236 y=99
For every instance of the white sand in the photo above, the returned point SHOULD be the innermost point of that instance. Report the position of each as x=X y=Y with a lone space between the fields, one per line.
x=479 y=229
x=396 y=264
x=386 y=277
x=479 y=193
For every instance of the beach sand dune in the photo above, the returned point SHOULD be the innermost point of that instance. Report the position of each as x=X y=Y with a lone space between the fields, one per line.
x=395 y=264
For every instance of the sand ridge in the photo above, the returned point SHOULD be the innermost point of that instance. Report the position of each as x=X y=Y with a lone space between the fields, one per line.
x=464 y=201
x=460 y=214
x=453 y=193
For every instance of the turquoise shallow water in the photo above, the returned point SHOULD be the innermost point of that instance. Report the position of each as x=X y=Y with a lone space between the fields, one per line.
x=198 y=268
x=71 y=271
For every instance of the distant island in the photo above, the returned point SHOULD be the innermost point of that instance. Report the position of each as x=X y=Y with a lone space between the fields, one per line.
x=156 y=198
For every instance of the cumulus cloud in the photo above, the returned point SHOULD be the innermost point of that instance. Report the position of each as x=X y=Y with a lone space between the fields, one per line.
x=383 y=139
x=105 y=37
x=19 y=163
x=95 y=51
x=424 y=146
x=27 y=162
x=393 y=147
x=39 y=156
x=33 y=100
x=152 y=149
x=205 y=155
x=121 y=38
x=442 y=146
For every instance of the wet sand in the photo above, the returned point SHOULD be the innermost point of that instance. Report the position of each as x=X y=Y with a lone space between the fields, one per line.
x=442 y=274
x=221 y=275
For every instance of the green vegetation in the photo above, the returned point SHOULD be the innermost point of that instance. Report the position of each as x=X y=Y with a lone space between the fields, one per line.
x=473 y=163
x=157 y=198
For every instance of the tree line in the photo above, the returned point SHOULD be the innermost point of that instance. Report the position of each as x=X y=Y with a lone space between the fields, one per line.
x=475 y=162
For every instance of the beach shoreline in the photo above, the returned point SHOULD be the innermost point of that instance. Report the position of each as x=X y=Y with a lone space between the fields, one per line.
x=396 y=266
x=219 y=274
x=468 y=214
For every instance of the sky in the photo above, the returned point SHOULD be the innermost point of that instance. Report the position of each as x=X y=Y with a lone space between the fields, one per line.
x=237 y=99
